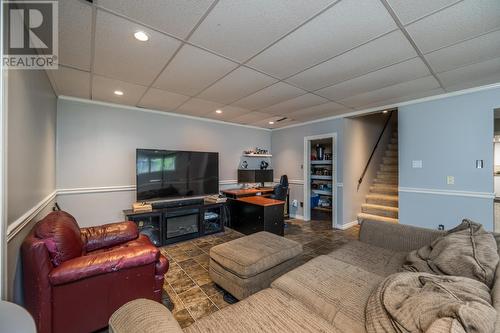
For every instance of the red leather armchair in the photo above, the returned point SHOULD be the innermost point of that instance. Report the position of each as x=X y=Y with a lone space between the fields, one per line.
x=74 y=279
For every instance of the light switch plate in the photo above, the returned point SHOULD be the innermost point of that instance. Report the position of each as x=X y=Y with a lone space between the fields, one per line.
x=450 y=180
x=416 y=164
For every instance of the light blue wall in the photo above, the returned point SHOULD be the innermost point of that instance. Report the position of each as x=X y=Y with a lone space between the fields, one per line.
x=448 y=135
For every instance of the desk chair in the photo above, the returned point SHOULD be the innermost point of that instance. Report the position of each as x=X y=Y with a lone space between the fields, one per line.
x=281 y=190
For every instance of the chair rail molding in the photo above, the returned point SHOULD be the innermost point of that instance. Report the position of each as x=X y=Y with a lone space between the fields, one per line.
x=16 y=226
x=470 y=194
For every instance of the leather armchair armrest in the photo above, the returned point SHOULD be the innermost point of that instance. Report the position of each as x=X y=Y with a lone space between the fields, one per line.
x=108 y=235
x=102 y=263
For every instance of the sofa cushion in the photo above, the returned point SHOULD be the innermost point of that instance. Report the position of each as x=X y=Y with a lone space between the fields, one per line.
x=268 y=311
x=371 y=258
x=250 y=255
x=61 y=235
x=335 y=290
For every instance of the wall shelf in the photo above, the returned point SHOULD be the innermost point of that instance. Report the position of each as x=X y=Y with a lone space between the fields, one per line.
x=258 y=155
x=322 y=192
x=321 y=162
x=318 y=177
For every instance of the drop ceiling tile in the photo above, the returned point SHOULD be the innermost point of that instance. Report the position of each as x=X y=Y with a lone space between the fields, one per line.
x=319 y=111
x=472 y=51
x=240 y=28
x=492 y=78
x=402 y=99
x=294 y=104
x=119 y=55
x=404 y=89
x=471 y=73
x=237 y=84
x=271 y=95
x=103 y=89
x=251 y=117
x=228 y=113
x=342 y=27
x=276 y=124
x=198 y=107
x=70 y=82
x=464 y=20
x=75 y=22
x=383 y=51
x=162 y=100
x=192 y=70
x=408 y=11
x=177 y=17
x=404 y=71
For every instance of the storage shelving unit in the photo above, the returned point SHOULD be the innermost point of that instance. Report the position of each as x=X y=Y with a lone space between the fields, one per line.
x=321 y=179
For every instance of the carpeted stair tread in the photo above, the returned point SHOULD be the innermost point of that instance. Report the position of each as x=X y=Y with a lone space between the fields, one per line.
x=387 y=211
x=376 y=218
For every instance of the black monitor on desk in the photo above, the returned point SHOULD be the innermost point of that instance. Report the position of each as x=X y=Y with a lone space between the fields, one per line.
x=255 y=176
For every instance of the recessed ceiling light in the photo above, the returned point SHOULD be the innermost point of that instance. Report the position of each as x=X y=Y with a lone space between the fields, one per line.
x=119 y=92
x=385 y=111
x=271 y=122
x=218 y=111
x=141 y=35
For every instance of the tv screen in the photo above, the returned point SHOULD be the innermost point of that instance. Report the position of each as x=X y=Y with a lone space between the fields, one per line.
x=165 y=174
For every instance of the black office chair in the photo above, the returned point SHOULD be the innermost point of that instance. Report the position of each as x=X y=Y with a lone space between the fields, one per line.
x=281 y=190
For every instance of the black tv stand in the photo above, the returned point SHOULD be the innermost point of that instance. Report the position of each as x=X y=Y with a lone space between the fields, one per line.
x=175 y=221
x=177 y=203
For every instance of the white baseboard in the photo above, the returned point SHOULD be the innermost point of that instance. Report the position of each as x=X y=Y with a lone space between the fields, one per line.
x=347 y=225
x=297 y=217
x=15 y=227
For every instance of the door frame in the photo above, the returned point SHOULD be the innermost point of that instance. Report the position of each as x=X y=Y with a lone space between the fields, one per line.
x=3 y=169
x=307 y=175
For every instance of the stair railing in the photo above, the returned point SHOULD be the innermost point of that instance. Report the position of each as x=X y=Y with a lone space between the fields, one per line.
x=360 y=180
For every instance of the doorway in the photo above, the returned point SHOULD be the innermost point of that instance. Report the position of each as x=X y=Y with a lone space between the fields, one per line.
x=320 y=178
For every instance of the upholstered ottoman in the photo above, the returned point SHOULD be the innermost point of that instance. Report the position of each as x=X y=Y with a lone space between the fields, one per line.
x=249 y=264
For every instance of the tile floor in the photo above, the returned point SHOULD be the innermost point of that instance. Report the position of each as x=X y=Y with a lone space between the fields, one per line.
x=191 y=294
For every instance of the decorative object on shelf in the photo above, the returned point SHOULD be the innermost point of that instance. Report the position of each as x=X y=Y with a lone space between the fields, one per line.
x=264 y=165
x=256 y=151
x=328 y=156
x=141 y=207
x=244 y=164
x=320 y=151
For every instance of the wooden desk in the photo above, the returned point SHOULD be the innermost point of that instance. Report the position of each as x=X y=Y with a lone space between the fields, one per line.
x=257 y=213
x=249 y=192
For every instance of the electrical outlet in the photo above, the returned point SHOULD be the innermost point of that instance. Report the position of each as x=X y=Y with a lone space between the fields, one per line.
x=450 y=180
x=441 y=227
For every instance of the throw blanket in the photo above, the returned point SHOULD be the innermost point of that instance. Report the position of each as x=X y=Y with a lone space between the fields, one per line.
x=467 y=250
x=422 y=302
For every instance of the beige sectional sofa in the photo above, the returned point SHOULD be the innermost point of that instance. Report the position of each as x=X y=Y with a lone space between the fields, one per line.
x=327 y=294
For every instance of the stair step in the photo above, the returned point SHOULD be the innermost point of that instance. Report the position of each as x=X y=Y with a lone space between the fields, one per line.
x=387 y=211
x=386 y=181
x=382 y=199
x=389 y=167
x=384 y=189
x=390 y=160
x=392 y=146
x=376 y=218
x=391 y=153
x=387 y=175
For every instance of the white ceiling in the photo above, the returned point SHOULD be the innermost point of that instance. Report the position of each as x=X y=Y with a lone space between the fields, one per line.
x=260 y=61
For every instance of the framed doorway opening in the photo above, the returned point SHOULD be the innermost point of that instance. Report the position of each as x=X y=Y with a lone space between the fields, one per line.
x=320 y=177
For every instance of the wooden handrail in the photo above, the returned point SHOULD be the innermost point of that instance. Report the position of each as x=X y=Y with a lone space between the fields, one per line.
x=373 y=151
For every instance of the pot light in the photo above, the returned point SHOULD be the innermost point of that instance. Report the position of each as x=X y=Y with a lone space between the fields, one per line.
x=218 y=111
x=271 y=123
x=385 y=111
x=141 y=36
x=119 y=92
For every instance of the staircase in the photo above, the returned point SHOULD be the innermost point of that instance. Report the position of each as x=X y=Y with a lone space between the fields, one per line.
x=382 y=201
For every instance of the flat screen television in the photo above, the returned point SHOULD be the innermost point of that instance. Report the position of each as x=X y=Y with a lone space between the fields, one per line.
x=169 y=174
